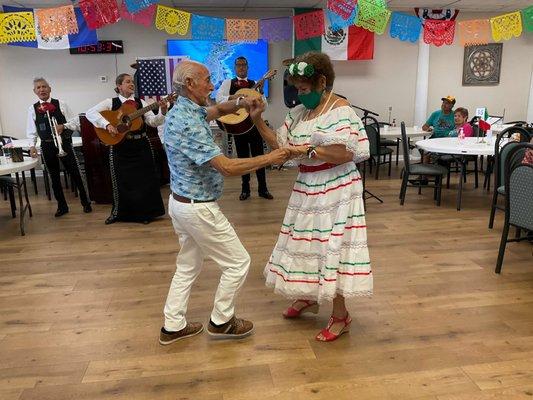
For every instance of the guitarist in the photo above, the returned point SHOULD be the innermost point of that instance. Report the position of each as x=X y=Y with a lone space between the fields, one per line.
x=252 y=140
x=136 y=194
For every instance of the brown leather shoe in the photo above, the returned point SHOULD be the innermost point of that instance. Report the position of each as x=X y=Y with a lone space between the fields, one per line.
x=235 y=328
x=192 y=329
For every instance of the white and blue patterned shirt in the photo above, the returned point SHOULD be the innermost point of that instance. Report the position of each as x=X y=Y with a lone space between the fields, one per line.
x=190 y=146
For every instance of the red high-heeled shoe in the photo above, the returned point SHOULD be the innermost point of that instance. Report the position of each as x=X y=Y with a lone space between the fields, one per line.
x=310 y=307
x=329 y=336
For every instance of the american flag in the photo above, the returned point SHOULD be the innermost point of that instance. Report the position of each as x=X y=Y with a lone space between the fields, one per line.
x=155 y=76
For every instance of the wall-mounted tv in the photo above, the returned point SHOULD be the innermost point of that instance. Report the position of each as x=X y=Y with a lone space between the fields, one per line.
x=219 y=57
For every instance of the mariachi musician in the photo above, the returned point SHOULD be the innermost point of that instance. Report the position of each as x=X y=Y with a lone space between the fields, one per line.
x=136 y=193
x=250 y=141
x=52 y=121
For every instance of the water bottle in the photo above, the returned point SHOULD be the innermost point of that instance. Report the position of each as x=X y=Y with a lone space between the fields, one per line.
x=7 y=151
x=461 y=134
x=2 y=157
x=394 y=122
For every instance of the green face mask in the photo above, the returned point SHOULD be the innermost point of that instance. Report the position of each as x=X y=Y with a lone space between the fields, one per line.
x=310 y=100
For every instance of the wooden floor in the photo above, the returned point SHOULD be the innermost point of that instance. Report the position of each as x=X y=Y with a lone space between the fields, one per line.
x=81 y=308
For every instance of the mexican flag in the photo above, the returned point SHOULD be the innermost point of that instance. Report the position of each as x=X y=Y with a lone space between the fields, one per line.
x=352 y=43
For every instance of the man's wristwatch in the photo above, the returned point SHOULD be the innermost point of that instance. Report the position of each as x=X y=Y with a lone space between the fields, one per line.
x=237 y=103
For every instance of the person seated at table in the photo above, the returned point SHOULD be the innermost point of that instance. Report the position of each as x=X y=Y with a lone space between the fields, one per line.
x=460 y=116
x=528 y=157
x=441 y=122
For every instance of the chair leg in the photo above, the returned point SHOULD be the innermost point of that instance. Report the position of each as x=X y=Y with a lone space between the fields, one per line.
x=439 y=191
x=378 y=163
x=476 y=174
x=403 y=189
x=397 y=150
x=448 y=178
x=517 y=233
x=390 y=163
x=12 y=202
x=493 y=209
x=503 y=244
x=34 y=180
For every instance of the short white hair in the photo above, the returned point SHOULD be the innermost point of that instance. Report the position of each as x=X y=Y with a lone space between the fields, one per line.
x=40 y=79
x=186 y=69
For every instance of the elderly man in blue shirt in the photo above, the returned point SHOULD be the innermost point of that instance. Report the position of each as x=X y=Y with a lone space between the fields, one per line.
x=197 y=167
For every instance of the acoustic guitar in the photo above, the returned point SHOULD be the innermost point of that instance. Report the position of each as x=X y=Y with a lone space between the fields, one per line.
x=126 y=119
x=240 y=122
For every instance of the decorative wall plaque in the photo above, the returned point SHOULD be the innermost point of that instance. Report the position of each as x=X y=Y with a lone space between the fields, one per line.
x=482 y=65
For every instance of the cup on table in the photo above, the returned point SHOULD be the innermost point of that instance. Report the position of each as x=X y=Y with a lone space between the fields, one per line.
x=386 y=128
x=415 y=128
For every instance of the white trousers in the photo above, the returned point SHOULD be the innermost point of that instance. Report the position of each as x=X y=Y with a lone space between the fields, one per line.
x=203 y=231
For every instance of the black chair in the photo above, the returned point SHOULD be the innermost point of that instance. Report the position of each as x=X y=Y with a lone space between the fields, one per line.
x=501 y=151
x=390 y=142
x=420 y=170
x=377 y=152
x=518 y=183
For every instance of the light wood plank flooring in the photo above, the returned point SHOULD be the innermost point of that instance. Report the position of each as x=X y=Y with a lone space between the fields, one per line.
x=81 y=308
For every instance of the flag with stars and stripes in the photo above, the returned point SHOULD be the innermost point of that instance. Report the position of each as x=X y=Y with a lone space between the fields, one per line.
x=155 y=76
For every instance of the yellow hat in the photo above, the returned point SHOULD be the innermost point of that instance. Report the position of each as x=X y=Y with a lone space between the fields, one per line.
x=449 y=98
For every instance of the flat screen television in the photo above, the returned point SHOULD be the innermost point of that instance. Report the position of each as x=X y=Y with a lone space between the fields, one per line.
x=219 y=57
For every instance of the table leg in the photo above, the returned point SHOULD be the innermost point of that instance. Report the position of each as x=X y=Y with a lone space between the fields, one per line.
x=22 y=208
x=462 y=162
x=26 y=194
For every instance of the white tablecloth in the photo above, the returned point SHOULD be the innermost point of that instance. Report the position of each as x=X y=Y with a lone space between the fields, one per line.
x=13 y=167
x=453 y=145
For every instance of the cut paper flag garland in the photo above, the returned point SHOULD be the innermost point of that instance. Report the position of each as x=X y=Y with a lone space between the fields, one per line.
x=144 y=17
x=506 y=26
x=17 y=26
x=474 y=32
x=405 y=27
x=242 y=30
x=135 y=6
x=439 y=32
x=56 y=21
x=372 y=16
x=207 y=28
x=172 y=20
x=84 y=37
x=527 y=19
x=337 y=22
x=276 y=29
x=99 y=13
x=309 y=24
x=352 y=43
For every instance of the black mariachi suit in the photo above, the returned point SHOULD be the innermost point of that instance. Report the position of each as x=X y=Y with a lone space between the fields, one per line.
x=49 y=152
x=136 y=193
x=249 y=142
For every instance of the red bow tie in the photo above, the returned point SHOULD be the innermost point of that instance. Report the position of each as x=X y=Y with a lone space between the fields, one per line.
x=46 y=106
x=242 y=83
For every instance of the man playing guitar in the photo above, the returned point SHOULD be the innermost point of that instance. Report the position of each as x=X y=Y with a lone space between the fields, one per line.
x=250 y=141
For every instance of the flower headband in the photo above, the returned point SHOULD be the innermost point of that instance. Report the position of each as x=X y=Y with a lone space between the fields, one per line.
x=302 y=69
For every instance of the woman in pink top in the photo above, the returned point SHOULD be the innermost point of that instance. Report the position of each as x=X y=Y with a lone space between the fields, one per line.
x=460 y=117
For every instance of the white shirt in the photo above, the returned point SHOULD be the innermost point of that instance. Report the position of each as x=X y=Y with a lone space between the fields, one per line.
x=94 y=116
x=223 y=90
x=73 y=122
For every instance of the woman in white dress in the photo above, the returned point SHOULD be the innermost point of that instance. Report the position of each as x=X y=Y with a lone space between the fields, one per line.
x=321 y=254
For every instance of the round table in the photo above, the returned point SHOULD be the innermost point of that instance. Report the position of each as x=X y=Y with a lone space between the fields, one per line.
x=460 y=148
x=27 y=143
x=395 y=132
x=15 y=168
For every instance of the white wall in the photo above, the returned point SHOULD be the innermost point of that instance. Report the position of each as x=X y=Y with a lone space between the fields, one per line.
x=388 y=80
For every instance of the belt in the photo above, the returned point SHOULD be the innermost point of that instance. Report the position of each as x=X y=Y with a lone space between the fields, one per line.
x=316 y=168
x=182 y=199
x=135 y=136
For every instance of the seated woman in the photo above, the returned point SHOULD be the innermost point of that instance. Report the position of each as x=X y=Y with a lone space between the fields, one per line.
x=460 y=117
x=321 y=253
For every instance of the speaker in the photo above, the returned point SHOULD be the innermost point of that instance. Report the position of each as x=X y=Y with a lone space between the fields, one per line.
x=290 y=93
